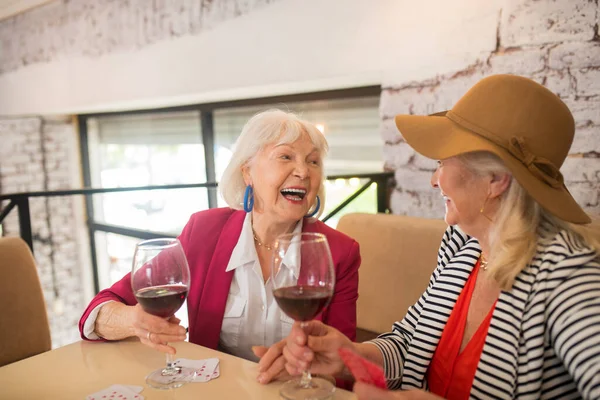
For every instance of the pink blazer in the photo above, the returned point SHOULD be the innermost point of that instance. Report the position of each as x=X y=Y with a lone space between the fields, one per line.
x=208 y=240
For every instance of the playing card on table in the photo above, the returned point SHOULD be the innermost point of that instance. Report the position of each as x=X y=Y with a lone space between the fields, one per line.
x=118 y=392
x=216 y=374
x=205 y=369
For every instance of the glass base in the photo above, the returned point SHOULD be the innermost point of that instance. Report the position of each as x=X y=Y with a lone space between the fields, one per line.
x=170 y=378
x=318 y=389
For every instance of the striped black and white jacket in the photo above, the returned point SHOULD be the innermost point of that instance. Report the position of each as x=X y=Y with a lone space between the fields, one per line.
x=544 y=337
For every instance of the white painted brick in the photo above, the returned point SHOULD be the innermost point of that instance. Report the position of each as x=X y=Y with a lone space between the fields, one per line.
x=389 y=132
x=418 y=100
x=587 y=195
x=587 y=139
x=424 y=164
x=21 y=170
x=453 y=86
x=56 y=155
x=586 y=111
x=20 y=158
x=530 y=22
x=61 y=29
x=397 y=156
x=413 y=180
x=524 y=62
x=54 y=185
x=36 y=186
x=587 y=81
x=426 y=205
x=8 y=169
x=560 y=82
x=24 y=125
x=575 y=55
x=581 y=170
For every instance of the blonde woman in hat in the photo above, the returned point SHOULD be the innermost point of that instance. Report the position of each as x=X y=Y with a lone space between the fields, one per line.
x=513 y=308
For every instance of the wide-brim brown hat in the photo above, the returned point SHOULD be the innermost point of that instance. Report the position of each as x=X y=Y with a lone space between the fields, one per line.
x=520 y=121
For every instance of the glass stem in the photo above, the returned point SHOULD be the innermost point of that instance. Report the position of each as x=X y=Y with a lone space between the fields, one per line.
x=170 y=369
x=306 y=377
x=169 y=361
x=305 y=380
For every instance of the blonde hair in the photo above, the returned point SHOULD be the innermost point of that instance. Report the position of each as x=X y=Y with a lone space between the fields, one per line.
x=517 y=225
x=267 y=127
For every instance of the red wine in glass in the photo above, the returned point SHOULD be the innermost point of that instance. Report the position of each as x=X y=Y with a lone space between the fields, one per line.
x=160 y=280
x=162 y=301
x=303 y=279
x=302 y=303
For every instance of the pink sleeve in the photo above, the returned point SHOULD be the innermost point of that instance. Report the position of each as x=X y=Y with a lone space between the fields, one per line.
x=341 y=312
x=121 y=291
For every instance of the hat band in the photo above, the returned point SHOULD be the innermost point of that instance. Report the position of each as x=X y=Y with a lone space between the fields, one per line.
x=540 y=167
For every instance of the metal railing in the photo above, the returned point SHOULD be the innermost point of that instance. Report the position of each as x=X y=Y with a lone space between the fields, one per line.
x=21 y=201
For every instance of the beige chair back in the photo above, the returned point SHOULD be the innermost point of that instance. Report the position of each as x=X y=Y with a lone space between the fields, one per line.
x=24 y=330
x=399 y=253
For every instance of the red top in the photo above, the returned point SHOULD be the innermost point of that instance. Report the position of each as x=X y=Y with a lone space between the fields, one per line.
x=451 y=373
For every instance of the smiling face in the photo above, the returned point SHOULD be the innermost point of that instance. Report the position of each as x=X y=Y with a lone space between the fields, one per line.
x=286 y=179
x=463 y=191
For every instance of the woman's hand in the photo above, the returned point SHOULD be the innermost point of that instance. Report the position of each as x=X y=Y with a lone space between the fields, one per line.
x=370 y=392
x=155 y=331
x=272 y=363
x=316 y=347
x=117 y=321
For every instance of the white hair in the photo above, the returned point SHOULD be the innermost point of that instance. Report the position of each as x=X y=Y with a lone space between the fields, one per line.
x=267 y=127
x=518 y=223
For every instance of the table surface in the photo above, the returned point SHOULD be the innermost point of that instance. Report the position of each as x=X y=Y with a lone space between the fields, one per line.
x=82 y=368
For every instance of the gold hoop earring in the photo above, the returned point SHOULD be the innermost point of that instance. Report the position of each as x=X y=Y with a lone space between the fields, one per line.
x=482 y=209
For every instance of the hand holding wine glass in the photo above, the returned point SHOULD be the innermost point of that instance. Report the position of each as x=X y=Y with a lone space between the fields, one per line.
x=160 y=279
x=303 y=281
x=318 y=344
x=156 y=332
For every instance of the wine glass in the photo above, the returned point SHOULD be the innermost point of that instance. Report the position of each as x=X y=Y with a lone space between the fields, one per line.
x=303 y=279
x=160 y=279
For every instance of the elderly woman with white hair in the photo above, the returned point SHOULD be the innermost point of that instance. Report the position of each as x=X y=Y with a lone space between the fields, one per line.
x=274 y=185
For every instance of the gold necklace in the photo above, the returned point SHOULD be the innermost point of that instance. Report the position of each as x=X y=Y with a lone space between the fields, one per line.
x=483 y=263
x=261 y=244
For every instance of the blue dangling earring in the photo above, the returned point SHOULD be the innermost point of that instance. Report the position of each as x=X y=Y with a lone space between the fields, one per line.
x=248 y=199
x=312 y=214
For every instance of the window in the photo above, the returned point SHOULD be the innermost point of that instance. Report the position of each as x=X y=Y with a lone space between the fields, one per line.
x=167 y=147
x=143 y=150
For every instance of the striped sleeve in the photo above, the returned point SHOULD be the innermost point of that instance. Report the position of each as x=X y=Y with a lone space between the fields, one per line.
x=394 y=345
x=574 y=320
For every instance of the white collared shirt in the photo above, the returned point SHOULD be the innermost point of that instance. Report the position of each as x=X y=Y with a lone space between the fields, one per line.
x=252 y=316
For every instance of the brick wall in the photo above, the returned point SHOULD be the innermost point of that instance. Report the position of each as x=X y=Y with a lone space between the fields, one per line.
x=40 y=154
x=65 y=28
x=554 y=42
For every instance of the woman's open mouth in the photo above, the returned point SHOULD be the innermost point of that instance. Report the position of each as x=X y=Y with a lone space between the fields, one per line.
x=293 y=194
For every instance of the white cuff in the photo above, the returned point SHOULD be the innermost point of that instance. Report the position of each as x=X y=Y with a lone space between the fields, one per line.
x=90 y=323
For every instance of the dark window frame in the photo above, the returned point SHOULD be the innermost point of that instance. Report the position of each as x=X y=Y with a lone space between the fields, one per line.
x=208 y=138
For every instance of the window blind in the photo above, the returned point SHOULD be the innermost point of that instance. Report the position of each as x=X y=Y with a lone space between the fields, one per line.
x=148 y=129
